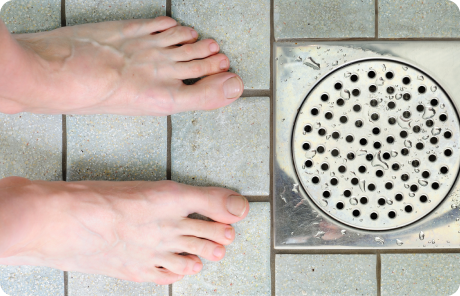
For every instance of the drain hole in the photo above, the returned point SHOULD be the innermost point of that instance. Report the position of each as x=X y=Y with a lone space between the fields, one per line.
x=435 y=185
x=347 y=193
x=354 y=78
x=420 y=146
x=306 y=146
x=444 y=170
x=389 y=185
x=340 y=102
x=423 y=198
x=374 y=103
x=358 y=123
x=324 y=97
x=314 y=111
x=406 y=80
x=307 y=128
x=335 y=135
x=382 y=201
x=405 y=151
x=356 y=108
x=403 y=134
x=432 y=158
x=376 y=131
x=334 y=181
x=315 y=180
x=420 y=108
x=374 y=216
x=308 y=163
x=349 y=138
x=443 y=117
x=399 y=197
x=362 y=169
x=377 y=145
x=351 y=155
x=335 y=152
x=386 y=155
x=328 y=115
x=404 y=177
x=426 y=174
x=375 y=116
x=416 y=129
x=363 y=142
x=356 y=213
x=390 y=140
x=390 y=90
x=379 y=173
x=342 y=169
x=322 y=132
x=434 y=102
x=363 y=200
x=422 y=89
x=320 y=149
x=354 y=181
x=372 y=88
x=369 y=157
x=429 y=123
x=339 y=205
x=371 y=74
x=389 y=75
x=395 y=166
x=434 y=140
x=406 y=96
x=406 y=114
x=343 y=119
x=414 y=188
x=326 y=194
x=448 y=152
x=415 y=163
x=408 y=208
x=338 y=86
x=447 y=135
x=355 y=92
x=391 y=120
x=391 y=214
x=324 y=166
x=391 y=105
x=371 y=187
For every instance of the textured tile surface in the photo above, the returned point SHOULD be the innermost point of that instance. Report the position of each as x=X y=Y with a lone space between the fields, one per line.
x=94 y=11
x=81 y=284
x=31 y=280
x=242 y=29
x=30 y=16
x=326 y=275
x=245 y=269
x=418 y=18
x=420 y=274
x=228 y=147
x=324 y=19
x=112 y=147
x=31 y=146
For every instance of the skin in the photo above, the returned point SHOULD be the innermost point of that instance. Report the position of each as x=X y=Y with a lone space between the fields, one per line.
x=137 y=231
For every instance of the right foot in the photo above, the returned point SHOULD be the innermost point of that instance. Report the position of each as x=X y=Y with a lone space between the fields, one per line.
x=134 y=67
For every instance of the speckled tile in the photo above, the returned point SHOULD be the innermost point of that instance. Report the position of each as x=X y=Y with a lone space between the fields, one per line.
x=326 y=275
x=81 y=284
x=30 y=16
x=242 y=29
x=420 y=274
x=112 y=147
x=324 y=19
x=94 y=11
x=31 y=281
x=245 y=269
x=418 y=18
x=31 y=146
x=227 y=147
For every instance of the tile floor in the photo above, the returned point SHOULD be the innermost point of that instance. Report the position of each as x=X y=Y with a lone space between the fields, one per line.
x=229 y=147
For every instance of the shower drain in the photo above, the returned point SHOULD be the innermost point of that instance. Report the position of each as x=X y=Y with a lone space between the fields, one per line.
x=372 y=144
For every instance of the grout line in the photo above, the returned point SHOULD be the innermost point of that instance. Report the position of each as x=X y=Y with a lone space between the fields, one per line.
x=290 y=40
x=379 y=273
x=270 y=93
x=168 y=8
x=63 y=16
x=170 y=289
x=64 y=147
x=168 y=147
x=376 y=18
x=66 y=283
x=258 y=198
x=365 y=251
x=256 y=93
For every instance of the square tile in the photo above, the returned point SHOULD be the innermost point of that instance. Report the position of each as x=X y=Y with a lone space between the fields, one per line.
x=113 y=147
x=242 y=29
x=418 y=18
x=31 y=280
x=326 y=275
x=94 y=11
x=245 y=269
x=81 y=284
x=31 y=146
x=324 y=19
x=30 y=16
x=420 y=274
x=228 y=147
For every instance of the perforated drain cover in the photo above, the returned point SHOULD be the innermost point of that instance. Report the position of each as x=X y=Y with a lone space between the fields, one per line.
x=372 y=144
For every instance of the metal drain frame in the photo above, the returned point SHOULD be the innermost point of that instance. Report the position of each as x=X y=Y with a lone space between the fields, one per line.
x=298 y=222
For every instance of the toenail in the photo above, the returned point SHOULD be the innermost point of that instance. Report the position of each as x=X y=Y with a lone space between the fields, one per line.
x=228 y=233
x=194 y=34
x=223 y=64
x=236 y=204
x=213 y=47
x=197 y=267
x=232 y=87
x=218 y=252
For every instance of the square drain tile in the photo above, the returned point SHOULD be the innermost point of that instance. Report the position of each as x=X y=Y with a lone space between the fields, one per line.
x=366 y=145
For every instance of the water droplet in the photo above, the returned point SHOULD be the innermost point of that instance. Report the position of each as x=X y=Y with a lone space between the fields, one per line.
x=405 y=68
x=320 y=234
x=377 y=161
x=353 y=201
x=453 y=206
x=343 y=231
x=408 y=143
x=384 y=68
x=362 y=152
x=318 y=124
x=432 y=241
x=398 y=96
x=406 y=185
x=345 y=94
x=398 y=242
x=420 y=77
x=417 y=170
x=429 y=113
x=380 y=240
x=442 y=106
x=362 y=185
x=411 y=194
x=324 y=203
x=425 y=137
x=436 y=131
x=328 y=137
x=458 y=219
x=380 y=81
x=310 y=62
x=394 y=153
x=421 y=235
x=335 y=63
x=434 y=88
x=389 y=202
x=310 y=154
x=422 y=182
x=347 y=74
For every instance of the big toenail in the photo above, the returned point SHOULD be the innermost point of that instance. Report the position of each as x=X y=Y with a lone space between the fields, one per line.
x=223 y=64
x=213 y=47
x=194 y=34
x=218 y=252
x=232 y=88
x=196 y=267
x=236 y=204
x=228 y=233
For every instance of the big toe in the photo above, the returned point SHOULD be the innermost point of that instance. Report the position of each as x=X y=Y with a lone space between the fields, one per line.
x=210 y=93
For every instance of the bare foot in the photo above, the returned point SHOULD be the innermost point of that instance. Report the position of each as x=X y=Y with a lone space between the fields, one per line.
x=129 y=230
x=133 y=67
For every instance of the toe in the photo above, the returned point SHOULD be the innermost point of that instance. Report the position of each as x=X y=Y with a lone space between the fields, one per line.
x=162 y=276
x=209 y=93
x=142 y=27
x=199 y=68
x=201 y=247
x=213 y=231
x=182 y=264
x=174 y=36
x=198 y=50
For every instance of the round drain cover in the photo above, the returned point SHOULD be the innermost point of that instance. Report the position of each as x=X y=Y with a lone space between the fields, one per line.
x=375 y=144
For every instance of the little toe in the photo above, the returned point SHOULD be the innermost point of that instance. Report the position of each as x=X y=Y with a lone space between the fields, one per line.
x=174 y=36
x=201 y=247
x=182 y=264
x=198 y=50
x=214 y=231
x=199 y=68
